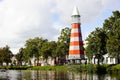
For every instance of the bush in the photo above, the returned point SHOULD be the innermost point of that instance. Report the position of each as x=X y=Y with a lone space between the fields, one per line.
x=113 y=69
x=14 y=67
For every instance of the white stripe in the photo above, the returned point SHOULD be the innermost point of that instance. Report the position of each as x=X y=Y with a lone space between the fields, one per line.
x=77 y=56
x=76 y=47
x=74 y=31
x=75 y=39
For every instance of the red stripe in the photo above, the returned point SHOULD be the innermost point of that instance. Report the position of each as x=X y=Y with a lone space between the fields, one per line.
x=75 y=34
x=76 y=25
x=75 y=43
x=76 y=52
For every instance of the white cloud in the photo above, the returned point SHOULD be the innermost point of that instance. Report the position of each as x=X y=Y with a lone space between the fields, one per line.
x=89 y=9
x=24 y=19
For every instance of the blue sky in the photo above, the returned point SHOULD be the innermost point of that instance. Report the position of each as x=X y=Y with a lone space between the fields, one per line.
x=24 y=19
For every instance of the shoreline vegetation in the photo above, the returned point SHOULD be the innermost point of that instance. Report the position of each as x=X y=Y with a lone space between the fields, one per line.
x=88 y=68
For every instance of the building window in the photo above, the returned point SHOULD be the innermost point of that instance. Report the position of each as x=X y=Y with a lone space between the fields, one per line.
x=111 y=59
x=106 y=59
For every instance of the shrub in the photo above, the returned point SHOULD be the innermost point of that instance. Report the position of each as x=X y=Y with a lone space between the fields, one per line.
x=113 y=68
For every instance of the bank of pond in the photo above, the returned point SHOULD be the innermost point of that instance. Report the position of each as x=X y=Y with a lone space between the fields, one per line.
x=89 y=68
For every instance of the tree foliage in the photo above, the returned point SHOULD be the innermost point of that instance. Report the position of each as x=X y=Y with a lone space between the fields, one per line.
x=112 y=28
x=1 y=56
x=20 y=56
x=63 y=42
x=38 y=47
x=5 y=55
x=96 y=44
x=106 y=39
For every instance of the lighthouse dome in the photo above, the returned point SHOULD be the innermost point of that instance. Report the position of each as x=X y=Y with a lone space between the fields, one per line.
x=75 y=11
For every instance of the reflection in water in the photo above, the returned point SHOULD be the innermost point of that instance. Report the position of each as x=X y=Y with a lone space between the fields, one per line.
x=52 y=75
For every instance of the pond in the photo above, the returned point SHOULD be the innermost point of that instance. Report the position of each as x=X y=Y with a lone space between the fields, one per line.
x=52 y=75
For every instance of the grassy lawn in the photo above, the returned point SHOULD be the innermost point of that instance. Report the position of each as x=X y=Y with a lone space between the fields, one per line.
x=90 y=68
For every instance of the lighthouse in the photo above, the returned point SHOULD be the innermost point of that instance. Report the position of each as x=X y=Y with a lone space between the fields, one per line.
x=76 y=50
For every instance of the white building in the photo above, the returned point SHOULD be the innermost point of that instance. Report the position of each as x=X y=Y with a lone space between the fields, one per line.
x=110 y=60
x=42 y=62
x=107 y=60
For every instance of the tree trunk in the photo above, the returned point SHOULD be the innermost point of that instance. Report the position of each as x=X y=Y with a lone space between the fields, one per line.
x=7 y=63
x=1 y=64
x=98 y=62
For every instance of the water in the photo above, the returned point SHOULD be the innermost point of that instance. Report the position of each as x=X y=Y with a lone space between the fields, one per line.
x=52 y=75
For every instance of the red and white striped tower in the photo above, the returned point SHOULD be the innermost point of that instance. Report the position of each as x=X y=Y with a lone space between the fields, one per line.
x=76 y=50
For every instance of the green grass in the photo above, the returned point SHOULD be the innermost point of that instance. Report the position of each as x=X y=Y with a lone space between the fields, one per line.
x=64 y=68
x=89 y=68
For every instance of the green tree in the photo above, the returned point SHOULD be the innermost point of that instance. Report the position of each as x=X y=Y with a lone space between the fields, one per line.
x=46 y=51
x=33 y=48
x=7 y=54
x=38 y=47
x=112 y=28
x=20 y=56
x=1 y=56
x=96 y=44
x=53 y=46
x=63 y=43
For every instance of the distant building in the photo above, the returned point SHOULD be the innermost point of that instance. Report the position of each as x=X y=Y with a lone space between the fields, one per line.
x=107 y=60
x=42 y=62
